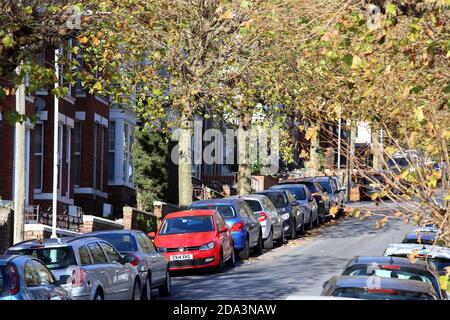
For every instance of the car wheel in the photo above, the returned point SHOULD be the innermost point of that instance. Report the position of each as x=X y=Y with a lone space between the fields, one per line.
x=268 y=243
x=147 y=290
x=99 y=295
x=231 y=262
x=282 y=239
x=245 y=252
x=166 y=289
x=311 y=222
x=293 y=227
x=318 y=220
x=136 y=291
x=302 y=228
x=259 y=246
x=219 y=267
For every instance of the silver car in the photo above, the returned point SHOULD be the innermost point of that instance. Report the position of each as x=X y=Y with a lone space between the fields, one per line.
x=88 y=267
x=270 y=221
x=152 y=265
x=27 y=278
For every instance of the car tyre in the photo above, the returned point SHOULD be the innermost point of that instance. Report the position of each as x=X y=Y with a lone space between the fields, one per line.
x=268 y=243
x=282 y=239
x=293 y=229
x=166 y=289
x=245 y=252
x=259 y=246
x=302 y=228
x=318 y=220
x=136 y=291
x=147 y=290
x=99 y=295
x=219 y=267
x=231 y=262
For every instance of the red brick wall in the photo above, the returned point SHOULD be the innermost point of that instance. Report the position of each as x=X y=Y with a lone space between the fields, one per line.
x=119 y=196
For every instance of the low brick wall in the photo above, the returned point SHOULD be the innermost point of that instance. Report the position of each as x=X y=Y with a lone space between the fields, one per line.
x=93 y=223
x=42 y=231
x=6 y=229
x=162 y=209
x=134 y=219
x=263 y=182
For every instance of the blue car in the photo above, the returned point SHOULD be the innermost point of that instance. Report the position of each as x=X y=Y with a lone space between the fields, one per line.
x=239 y=217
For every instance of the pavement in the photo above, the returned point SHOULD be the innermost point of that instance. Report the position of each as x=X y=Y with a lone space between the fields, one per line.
x=299 y=268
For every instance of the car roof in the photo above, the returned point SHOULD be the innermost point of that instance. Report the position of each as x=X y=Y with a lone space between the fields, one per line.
x=299 y=180
x=287 y=186
x=424 y=234
x=252 y=196
x=408 y=248
x=119 y=231
x=271 y=191
x=226 y=201
x=190 y=213
x=52 y=242
x=387 y=260
x=384 y=283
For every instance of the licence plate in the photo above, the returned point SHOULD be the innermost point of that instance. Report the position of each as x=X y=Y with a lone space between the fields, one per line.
x=179 y=257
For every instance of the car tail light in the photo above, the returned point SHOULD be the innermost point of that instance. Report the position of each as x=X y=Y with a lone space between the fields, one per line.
x=14 y=278
x=135 y=261
x=237 y=226
x=78 y=277
x=315 y=194
x=262 y=216
x=389 y=267
x=388 y=291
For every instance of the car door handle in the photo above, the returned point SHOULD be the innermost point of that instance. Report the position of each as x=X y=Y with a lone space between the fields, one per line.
x=102 y=272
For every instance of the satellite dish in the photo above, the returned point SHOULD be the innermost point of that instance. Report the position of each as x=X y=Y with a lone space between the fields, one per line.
x=40 y=104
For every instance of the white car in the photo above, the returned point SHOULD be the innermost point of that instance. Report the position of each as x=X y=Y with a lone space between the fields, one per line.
x=271 y=222
x=438 y=256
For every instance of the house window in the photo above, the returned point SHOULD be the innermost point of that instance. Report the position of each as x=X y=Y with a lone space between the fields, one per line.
x=60 y=157
x=112 y=153
x=68 y=154
x=77 y=153
x=38 y=156
x=102 y=149
x=95 y=155
x=128 y=137
x=79 y=85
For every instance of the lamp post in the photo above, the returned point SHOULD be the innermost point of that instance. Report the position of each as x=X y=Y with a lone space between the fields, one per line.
x=55 y=149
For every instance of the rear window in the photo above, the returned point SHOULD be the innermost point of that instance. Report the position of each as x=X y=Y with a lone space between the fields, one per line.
x=225 y=210
x=279 y=199
x=311 y=186
x=53 y=258
x=327 y=186
x=298 y=192
x=187 y=225
x=381 y=294
x=254 y=204
x=122 y=242
x=3 y=282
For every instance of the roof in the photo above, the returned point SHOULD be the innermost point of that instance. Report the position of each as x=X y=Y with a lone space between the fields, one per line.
x=387 y=260
x=403 y=249
x=190 y=213
x=384 y=283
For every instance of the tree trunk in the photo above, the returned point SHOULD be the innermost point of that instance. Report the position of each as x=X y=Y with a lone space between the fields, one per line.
x=185 y=163
x=314 y=156
x=377 y=150
x=244 y=171
x=352 y=156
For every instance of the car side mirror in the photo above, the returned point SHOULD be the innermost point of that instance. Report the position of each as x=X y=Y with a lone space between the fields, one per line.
x=295 y=203
x=325 y=284
x=151 y=235
x=224 y=229
x=128 y=258
x=65 y=279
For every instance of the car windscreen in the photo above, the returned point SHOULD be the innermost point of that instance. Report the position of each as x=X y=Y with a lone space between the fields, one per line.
x=427 y=238
x=254 y=204
x=225 y=210
x=279 y=199
x=327 y=186
x=398 y=273
x=311 y=186
x=187 y=225
x=122 y=242
x=298 y=192
x=53 y=258
x=3 y=282
x=381 y=294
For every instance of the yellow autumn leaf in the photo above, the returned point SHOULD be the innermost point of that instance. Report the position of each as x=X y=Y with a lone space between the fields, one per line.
x=83 y=40
x=311 y=133
x=334 y=210
x=228 y=15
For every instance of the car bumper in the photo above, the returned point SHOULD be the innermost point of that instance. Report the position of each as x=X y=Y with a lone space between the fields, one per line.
x=201 y=259
x=265 y=229
x=239 y=239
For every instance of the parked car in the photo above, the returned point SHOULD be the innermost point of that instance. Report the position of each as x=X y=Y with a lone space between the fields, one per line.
x=152 y=266
x=321 y=196
x=342 y=195
x=395 y=267
x=271 y=223
x=334 y=193
x=370 y=184
x=289 y=210
x=420 y=237
x=195 y=239
x=378 y=288
x=27 y=278
x=306 y=200
x=88 y=267
x=243 y=224
x=437 y=256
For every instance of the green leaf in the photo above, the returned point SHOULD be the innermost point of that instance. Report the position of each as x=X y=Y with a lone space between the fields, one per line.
x=416 y=89
x=419 y=114
x=245 y=4
x=28 y=10
x=8 y=41
x=98 y=86
x=348 y=59
x=390 y=9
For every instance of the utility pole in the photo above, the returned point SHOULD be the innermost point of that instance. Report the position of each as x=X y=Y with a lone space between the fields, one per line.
x=339 y=147
x=19 y=164
x=55 y=149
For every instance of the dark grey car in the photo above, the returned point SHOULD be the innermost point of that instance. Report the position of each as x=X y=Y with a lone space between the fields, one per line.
x=151 y=265
x=27 y=278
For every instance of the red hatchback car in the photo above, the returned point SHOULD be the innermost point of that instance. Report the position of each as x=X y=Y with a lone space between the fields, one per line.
x=195 y=239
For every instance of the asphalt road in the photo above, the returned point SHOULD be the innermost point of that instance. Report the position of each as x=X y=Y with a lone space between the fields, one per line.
x=298 y=268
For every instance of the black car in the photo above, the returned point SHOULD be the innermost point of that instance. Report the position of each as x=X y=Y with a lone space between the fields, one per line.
x=321 y=195
x=421 y=237
x=378 y=288
x=334 y=192
x=289 y=209
x=370 y=185
x=394 y=267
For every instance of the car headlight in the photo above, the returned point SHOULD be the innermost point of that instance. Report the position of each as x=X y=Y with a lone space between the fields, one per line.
x=161 y=250
x=282 y=210
x=285 y=216
x=208 y=246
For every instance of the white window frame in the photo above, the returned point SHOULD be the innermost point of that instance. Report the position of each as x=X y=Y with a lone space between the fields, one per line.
x=60 y=157
x=68 y=158
x=128 y=132
x=41 y=155
x=112 y=129
x=78 y=153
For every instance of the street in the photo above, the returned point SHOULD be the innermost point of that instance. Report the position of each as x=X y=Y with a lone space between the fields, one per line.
x=299 y=268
